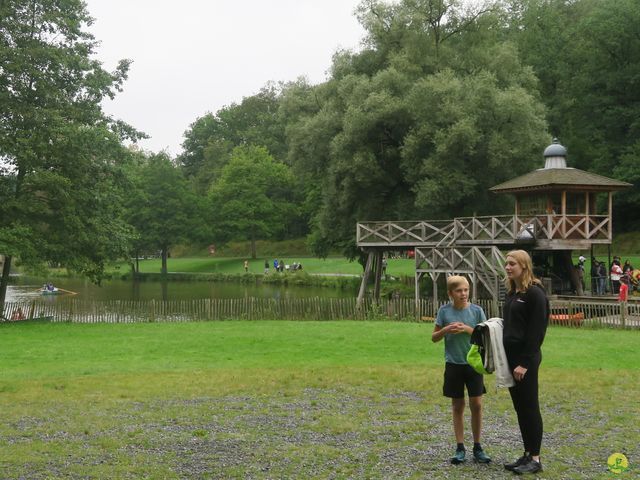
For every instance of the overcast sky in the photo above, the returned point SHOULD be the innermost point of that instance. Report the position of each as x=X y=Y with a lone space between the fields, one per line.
x=196 y=56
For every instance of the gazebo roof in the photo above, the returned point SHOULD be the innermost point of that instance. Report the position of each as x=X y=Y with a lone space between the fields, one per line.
x=559 y=178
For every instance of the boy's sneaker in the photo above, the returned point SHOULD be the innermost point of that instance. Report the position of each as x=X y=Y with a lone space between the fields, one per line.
x=521 y=461
x=458 y=457
x=480 y=456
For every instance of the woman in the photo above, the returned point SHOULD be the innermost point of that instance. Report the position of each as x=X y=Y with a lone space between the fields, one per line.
x=526 y=315
x=616 y=273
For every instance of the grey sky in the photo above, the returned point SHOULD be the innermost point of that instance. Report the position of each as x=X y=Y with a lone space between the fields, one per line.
x=195 y=56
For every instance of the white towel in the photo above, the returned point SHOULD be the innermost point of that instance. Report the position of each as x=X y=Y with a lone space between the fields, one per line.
x=504 y=378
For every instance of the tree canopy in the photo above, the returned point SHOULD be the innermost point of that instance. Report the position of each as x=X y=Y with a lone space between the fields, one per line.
x=254 y=196
x=163 y=208
x=445 y=99
x=61 y=180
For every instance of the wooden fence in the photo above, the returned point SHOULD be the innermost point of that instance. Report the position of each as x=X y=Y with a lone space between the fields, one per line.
x=318 y=308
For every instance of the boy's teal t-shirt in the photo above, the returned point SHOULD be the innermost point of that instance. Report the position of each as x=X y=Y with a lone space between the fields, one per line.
x=456 y=346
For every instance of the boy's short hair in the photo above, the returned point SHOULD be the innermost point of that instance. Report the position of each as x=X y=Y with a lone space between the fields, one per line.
x=456 y=281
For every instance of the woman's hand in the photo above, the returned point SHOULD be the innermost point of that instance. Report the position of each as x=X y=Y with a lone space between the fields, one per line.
x=519 y=372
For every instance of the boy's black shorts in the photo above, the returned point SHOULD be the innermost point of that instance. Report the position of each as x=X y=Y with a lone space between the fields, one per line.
x=457 y=376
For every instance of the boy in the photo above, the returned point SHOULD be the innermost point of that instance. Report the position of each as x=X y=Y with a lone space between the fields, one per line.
x=455 y=323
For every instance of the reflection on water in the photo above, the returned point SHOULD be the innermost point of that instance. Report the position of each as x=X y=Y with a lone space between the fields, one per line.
x=27 y=288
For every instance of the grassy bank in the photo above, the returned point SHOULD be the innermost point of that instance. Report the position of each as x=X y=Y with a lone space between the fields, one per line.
x=290 y=400
x=328 y=266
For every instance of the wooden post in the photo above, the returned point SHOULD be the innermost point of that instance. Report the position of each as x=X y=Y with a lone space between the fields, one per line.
x=610 y=215
x=378 y=276
x=365 y=279
x=563 y=230
x=434 y=277
x=586 y=225
x=418 y=276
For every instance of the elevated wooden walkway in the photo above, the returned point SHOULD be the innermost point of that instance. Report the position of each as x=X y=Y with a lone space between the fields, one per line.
x=548 y=232
x=473 y=245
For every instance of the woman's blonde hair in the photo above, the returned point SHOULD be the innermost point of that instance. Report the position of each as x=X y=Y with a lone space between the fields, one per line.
x=523 y=259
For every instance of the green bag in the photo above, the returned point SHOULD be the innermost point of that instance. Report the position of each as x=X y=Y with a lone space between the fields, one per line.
x=474 y=358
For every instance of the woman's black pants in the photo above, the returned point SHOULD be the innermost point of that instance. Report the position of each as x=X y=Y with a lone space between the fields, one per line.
x=525 y=401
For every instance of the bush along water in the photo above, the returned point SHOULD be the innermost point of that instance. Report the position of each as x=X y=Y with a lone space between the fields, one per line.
x=289 y=278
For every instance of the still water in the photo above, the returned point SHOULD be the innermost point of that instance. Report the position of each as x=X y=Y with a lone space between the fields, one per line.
x=27 y=288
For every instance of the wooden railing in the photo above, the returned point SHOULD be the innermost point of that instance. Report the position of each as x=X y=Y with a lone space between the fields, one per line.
x=573 y=313
x=506 y=229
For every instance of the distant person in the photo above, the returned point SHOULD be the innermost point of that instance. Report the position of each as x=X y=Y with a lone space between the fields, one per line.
x=602 y=278
x=266 y=267
x=623 y=295
x=246 y=266
x=384 y=266
x=18 y=315
x=616 y=273
x=594 y=276
x=455 y=322
x=275 y=264
x=627 y=268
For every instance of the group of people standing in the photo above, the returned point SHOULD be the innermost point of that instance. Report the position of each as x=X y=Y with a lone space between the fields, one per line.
x=526 y=314
x=618 y=274
x=280 y=266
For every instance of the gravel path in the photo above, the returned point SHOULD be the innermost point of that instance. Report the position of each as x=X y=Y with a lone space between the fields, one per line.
x=316 y=434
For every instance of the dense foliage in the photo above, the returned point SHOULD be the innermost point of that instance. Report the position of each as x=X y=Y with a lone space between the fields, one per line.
x=61 y=181
x=444 y=100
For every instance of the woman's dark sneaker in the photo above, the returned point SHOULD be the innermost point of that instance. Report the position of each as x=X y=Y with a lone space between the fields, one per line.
x=530 y=467
x=458 y=457
x=480 y=456
x=521 y=461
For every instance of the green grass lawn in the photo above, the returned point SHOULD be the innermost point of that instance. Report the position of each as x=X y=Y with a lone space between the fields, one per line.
x=331 y=265
x=290 y=400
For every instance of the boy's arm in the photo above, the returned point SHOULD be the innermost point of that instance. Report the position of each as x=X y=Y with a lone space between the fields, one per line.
x=454 y=328
x=438 y=333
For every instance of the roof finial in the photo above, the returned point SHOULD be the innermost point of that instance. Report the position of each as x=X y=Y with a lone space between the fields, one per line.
x=555 y=155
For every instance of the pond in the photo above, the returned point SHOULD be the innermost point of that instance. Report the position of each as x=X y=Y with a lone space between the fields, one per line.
x=28 y=288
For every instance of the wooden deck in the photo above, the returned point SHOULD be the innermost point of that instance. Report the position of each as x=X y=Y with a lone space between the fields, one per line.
x=545 y=232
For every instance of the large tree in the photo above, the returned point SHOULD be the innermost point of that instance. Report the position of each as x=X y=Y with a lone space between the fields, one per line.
x=210 y=140
x=60 y=155
x=254 y=197
x=422 y=122
x=163 y=207
x=586 y=54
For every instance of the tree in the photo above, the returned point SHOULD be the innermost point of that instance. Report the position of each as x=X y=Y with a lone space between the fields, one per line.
x=432 y=98
x=61 y=182
x=586 y=54
x=163 y=207
x=210 y=139
x=254 y=197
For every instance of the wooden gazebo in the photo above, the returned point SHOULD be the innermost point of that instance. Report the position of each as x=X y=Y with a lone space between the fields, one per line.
x=558 y=209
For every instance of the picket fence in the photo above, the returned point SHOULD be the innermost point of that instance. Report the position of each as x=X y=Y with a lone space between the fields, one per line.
x=567 y=313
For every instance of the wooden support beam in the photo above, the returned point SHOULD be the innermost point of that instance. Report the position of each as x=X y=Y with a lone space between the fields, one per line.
x=610 y=215
x=586 y=209
x=365 y=279
x=418 y=276
x=435 y=277
x=378 y=275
